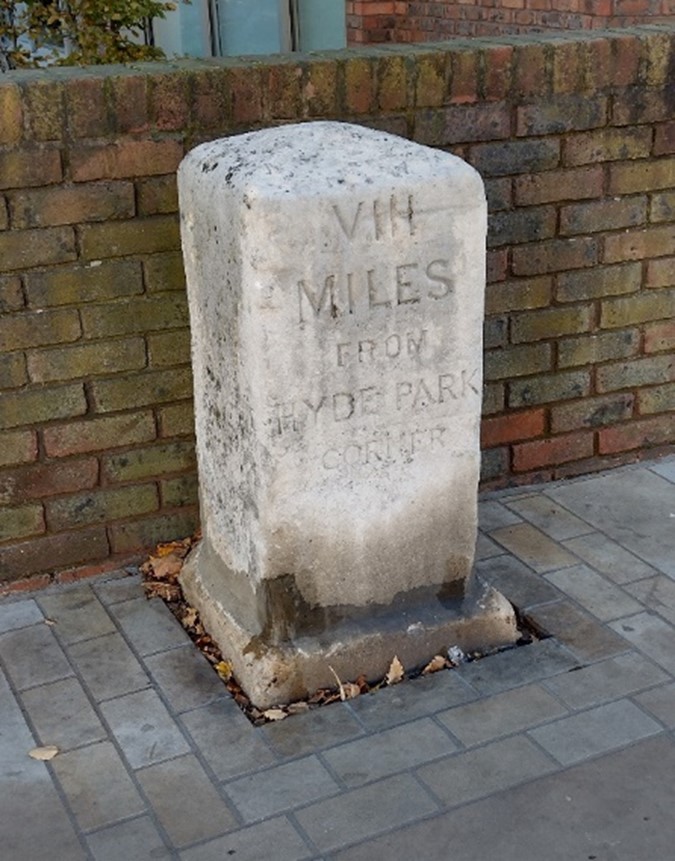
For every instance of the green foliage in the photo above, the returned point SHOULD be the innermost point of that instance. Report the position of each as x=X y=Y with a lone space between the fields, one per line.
x=76 y=32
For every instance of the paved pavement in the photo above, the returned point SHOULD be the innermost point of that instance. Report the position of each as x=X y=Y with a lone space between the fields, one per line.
x=563 y=749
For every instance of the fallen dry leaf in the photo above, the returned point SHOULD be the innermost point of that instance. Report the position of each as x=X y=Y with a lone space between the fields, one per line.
x=178 y=548
x=438 y=662
x=189 y=620
x=275 y=714
x=224 y=670
x=166 y=567
x=45 y=753
x=159 y=589
x=50 y=622
x=297 y=708
x=395 y=672
x=351 y=690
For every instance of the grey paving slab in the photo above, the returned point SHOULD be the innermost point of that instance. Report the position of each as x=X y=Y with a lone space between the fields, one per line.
x=108 y=667
x=504 y=714
x=414 y=698
x=124 y=587
x=97 y=785
x=78 y=614
x=389 y=751
x=280 y=788
x=615 y=808
x=254 y=843
x=486 y=547
x=364 y=812
x=660 y=702
x=533 y=547
x=62 y=714
x=586 y=734
x=144 y=729
x=485 y=770
x=148 y=625
x=307 y=733
x=33 y=820
x=135 y=840
x=516 y=581
x=226 y=740
x=33 y=656
x=604 y=600
x=19 y=614
x=609 y=558
x=652 y=635
x=548 y=516
x=606 y=680
x=517 y=667
x=187 y=804
x=583 y=635
x=186 y=678
x=632 y=506
x=656 y=593
x=666 y=469
x=494 y=515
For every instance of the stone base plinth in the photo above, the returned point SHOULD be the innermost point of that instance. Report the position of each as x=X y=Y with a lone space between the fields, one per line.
x=272 y=673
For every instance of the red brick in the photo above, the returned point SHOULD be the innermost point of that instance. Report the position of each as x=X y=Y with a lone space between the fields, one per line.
x=625 y=60
x=641 y=175
x=129 y=100
x=24 y=249
x=82 y=572
x=592 y=412
x=11 y=294
x=86 y=105
x=44 y=114
x=554 y=185
x=661 y=273
x=146 y=533
x=639 y=244
x=607 y=145
x=30 y=166
x=124 y=159
x=392 y=83
x=567 y=66
x=18 y=447
x=497 y=263
x=98 y=434
x=170 y=101
x=38 y=480
x=51 y=552
x=96 y=201
x=664 y=142
x=157 y=195
x=359 y=85
x=246 y=91
x=283 y=90
x=659 y=337
x=39 y=328
x=25 y=584
x=530 y=77
x=497 y=61
x=211 y=100
x=513 y=427
x=556 y=255
x=553 y=451
x=11 y=111
x=464 y=77
x=637 y=434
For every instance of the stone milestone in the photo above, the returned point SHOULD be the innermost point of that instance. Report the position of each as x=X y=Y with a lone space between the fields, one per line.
x=335 y=278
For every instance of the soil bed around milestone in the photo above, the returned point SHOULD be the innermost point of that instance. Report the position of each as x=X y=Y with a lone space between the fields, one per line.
x=160 y=580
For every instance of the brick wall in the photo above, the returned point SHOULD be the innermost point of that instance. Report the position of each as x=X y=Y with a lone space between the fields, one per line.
x=371 y=21
x=575 y=139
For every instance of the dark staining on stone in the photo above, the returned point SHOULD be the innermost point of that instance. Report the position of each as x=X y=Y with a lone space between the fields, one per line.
x=209 y=167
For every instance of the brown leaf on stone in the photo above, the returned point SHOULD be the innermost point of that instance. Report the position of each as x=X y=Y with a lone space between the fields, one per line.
x=362 y=682
x=175 y=548
x=165 y=591
x=190 y=618
x=438 y=662
x=166 y=567
x=224 y=670
x=395 y=672
x=350 y=690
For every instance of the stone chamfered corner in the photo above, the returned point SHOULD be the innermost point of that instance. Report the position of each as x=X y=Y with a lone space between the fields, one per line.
x=335 y=278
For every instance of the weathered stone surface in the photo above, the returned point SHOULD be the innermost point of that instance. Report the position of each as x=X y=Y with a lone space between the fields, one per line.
x=336 y=278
